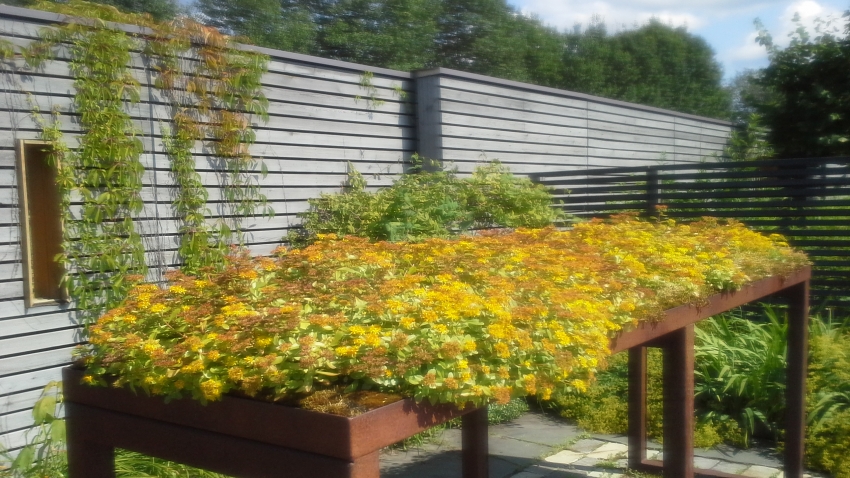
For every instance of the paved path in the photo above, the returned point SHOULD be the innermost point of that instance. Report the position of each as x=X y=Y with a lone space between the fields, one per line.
x=539 y=446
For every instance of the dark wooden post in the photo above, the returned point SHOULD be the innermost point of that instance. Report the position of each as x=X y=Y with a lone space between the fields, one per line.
x=637 y=407
x=475 y=444
x=795 y=391
x=679 y=403
x=86 y=458
x=652 y=191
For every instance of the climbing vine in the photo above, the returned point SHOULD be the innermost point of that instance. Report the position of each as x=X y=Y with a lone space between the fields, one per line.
x=214 y=91
x=102 y=249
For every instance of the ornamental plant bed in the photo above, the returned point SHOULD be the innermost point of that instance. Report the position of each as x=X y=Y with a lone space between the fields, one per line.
x=453 y=322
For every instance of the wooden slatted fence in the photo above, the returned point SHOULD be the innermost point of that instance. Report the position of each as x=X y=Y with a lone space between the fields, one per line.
x=807 y=200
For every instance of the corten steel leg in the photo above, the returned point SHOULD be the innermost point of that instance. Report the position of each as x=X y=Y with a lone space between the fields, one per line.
x=86 y=459
x=367 y=466
x=637 y=407
x=679 y=403
x=795 y=391
x=475 y=448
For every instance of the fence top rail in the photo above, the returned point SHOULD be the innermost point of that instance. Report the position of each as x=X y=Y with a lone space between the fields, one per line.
x=766 y=163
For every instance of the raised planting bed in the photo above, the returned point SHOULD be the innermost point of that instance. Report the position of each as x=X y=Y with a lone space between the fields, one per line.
x=460 y=323
x=249 y=438
x=252 y=438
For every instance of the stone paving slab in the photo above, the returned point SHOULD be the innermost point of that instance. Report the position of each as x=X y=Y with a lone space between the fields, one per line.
x=537 y=428
x=539 y=446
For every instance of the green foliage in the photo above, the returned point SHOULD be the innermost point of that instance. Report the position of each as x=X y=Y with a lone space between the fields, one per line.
x=740 y=370
x=827 y=445
x=502 y=413
x=749 y=142
x=828 y=432
x=44 y=454
x=425 y=204
x=654 y=65
x=212 y=100
x=604 y=407
x=158 y=10
x=102 y=249
x=806 y=111
x=285 y=25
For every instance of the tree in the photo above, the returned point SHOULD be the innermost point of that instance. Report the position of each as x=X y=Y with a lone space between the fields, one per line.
x=158 y=9
x=808 y=109
x=398 y=34
x=282 y=24
x=655 y=65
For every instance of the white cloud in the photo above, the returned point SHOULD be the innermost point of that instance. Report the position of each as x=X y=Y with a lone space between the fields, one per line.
x=810 y=14
x=619 y=14
x=692 y=22
x=748 y=50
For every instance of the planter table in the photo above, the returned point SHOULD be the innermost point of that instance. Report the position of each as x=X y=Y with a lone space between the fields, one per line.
x=251 y=438
x=674 y=334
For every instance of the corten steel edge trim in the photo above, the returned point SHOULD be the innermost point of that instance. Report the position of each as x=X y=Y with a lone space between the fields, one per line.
x=250 y=438
x=682 y=316
x=678 y=380
x=331 y=435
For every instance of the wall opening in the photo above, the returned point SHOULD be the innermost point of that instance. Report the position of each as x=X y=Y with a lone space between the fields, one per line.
x=41 y=225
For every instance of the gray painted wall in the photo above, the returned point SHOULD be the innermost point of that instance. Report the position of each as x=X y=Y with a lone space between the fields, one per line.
x=317 y=129
x=466 y=118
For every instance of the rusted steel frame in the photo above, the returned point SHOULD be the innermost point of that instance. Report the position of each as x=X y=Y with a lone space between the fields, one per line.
x=678 y=412
x=637 y=407
x=474 y=439
x=679 y=317
x=100 y=419
x=677 y=346
x=95 y=433
x=336 y=436
x=795 y=388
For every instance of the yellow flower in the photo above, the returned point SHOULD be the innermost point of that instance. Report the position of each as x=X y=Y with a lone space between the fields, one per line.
x=176 y=289
x=263 y=341
x=157 y=308
x=248 y=275
x=211 y=389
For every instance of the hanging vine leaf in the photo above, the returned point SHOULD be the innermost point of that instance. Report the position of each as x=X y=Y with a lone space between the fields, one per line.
x=214 y=89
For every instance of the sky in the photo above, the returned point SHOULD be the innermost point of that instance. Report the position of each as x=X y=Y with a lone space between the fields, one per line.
x=727 y=25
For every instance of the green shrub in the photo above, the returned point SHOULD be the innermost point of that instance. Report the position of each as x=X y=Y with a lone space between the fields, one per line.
x=740 y=371
x=604 y=407
x=503 y=413
x=424 y=204
x=827 y=445
x=828 y=433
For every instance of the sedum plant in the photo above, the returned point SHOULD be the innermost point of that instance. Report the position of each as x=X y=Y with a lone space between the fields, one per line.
x=476 y=319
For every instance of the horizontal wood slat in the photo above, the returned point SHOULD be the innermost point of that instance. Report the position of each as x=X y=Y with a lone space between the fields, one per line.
x=807 y=200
